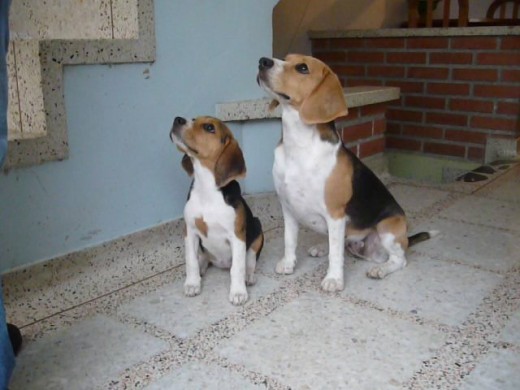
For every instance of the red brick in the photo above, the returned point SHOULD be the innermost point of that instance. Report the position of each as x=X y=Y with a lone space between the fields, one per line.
x=406 y=86
x=478 y=43
x=445 y=118
x=393 y=128
x=444 y=149
x=379 y=126
x=427 y=43
x=448 y=89
x=451 y=58
x=507 y=108
x=497 y=91
x=374 y=109
x=425 y=102
x=471 y=105
x=364 y=57
x=363 y=82
x=331 y=56
x=511 y=75
x=356 y=132
x=353 y=113
x=320 y=44
x=346 y=43
x=404 y=115
x=510 y=43
x=372 y=147
x=428 y=73
x=354 y=149
x=422 y=131
x=475 y=74
x=402 y=143
x=465 y=136
x=486 y=122
x=476 y=154
x=385 y=43
x=386 y=71
x=348 y=71
x=406 y=57
x=502 y=58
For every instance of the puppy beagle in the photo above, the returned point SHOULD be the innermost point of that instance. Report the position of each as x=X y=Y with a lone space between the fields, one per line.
x=220 y=227
x=323 y=185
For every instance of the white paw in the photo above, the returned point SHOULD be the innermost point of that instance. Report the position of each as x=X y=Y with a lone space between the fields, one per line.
x=250 y=279
x=332 y=284
x=377 y=272
x=191 y=289
x=319 y=250
x=238 y=296
x=284 y=267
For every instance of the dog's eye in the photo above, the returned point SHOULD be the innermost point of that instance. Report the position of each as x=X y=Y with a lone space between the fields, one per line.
x=302 y=68
x=208 y=127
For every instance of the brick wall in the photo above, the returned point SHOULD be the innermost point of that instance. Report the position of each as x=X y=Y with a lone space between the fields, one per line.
x=455 y=91
x=362 y=130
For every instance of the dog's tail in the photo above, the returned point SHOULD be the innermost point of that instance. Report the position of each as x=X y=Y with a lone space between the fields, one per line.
x=422 y=236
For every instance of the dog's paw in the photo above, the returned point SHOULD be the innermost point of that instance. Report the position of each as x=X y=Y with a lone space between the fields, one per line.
x=284 y=267
x=191 y=289
x=319 y=250
x=238 y=296
x=332 y=284
x=250 y=279
x=377 y=272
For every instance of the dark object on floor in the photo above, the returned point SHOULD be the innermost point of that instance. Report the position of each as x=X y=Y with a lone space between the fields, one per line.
x=472 y=177
x=16 y=338
x=484 y=169
x=500 y=162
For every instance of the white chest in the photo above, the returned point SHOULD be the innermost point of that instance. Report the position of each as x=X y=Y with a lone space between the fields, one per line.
x=301 y=167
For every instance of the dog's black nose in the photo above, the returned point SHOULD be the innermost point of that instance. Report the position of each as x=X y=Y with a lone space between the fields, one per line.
x=179 y=121
x=265 y=63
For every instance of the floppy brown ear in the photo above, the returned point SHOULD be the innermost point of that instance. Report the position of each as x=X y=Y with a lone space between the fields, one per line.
x=326 y=102
x=230 y=164
x=187 y=164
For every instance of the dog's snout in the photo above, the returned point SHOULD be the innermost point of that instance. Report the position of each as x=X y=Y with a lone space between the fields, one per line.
x=179 y=121
x=265 y=63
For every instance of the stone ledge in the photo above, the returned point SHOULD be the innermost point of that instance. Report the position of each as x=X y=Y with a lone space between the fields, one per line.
x=259 y=108
x=416 y=32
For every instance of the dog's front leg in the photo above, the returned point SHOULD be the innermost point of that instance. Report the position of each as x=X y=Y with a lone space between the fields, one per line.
x=238 y=291
x=334 y=279
x=191 y=246
x=287 y=264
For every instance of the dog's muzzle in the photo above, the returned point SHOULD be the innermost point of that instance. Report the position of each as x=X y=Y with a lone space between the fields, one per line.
x=178 y=122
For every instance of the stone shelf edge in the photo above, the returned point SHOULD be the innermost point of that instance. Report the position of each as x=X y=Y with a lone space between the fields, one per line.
x=53 y=55
x=259 y=108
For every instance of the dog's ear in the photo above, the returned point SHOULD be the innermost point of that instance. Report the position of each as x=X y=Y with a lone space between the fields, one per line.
x=187 y=164
x=230 y=165
x=326 y=102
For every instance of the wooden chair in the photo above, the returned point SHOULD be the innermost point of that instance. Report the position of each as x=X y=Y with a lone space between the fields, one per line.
x=502 y=7
x=413 y=13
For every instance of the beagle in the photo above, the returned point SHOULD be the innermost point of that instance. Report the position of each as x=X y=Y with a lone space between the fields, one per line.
x=323 y=185
x=220 y=227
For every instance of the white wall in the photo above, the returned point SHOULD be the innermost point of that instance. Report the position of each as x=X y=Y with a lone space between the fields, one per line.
x=123 y=174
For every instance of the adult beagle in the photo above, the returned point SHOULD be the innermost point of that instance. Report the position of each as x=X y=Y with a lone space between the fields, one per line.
x=323 y=185
x=220 y=227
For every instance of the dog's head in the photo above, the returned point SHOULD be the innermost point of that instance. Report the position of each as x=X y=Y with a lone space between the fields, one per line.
x=210 y=141
x=305 y=83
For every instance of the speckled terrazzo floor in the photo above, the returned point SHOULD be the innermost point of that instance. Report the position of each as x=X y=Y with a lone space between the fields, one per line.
x=115 y=317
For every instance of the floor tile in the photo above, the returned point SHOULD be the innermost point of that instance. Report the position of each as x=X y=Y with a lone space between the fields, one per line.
x=169 y=309
x=511 y=332
x=471 y=244
x=485 y=211
x=84 y=356
x=414 y=199
x=322 y=342
x=197 y=375
x=433 y=289
x=497 y=371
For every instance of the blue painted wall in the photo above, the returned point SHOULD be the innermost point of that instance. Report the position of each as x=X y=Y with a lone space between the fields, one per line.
x=123 y=174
